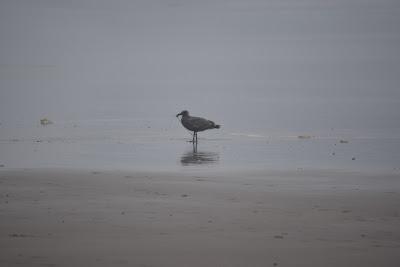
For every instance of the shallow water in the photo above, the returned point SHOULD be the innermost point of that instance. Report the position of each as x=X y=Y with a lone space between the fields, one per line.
x=141 y=145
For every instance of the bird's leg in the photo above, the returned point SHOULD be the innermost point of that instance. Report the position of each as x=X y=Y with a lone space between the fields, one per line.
x=194 y=147
x=194 y=133
x=196 y=138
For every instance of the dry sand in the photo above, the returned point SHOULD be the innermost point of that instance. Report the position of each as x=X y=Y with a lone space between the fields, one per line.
x=96 y=218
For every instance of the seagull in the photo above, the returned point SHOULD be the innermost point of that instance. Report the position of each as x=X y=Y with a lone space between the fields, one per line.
x=196 y=124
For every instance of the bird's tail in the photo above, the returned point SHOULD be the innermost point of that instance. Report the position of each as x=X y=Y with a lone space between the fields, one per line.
x=213 y=125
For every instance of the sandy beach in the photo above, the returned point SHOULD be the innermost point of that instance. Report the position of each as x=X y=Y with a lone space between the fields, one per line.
x=261 y=218
x=97 y=169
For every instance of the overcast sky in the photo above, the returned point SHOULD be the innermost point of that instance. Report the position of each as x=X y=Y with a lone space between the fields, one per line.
x=279 y=62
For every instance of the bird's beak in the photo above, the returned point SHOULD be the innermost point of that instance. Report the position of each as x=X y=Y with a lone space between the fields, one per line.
x=179 y=114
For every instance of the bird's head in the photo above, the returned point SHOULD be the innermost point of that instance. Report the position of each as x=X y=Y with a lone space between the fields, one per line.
x=183 y=113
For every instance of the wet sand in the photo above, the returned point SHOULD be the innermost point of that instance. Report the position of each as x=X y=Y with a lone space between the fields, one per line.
x=264 y=218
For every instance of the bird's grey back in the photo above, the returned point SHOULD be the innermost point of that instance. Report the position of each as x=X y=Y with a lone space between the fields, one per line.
x=197 y=124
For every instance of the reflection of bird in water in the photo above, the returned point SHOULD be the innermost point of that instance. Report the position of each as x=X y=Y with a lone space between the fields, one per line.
x=195 y=157
x=196 y=124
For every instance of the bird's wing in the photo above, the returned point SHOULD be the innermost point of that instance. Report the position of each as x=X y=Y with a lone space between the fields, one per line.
x=199 y=124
